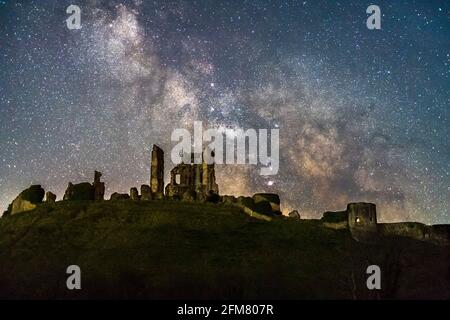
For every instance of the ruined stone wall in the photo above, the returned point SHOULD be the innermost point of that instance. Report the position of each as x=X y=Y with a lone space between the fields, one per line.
x=439 y=234
x=198 y=178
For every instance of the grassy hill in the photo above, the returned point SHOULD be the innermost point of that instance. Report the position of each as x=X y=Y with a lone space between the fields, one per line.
x=174 y=250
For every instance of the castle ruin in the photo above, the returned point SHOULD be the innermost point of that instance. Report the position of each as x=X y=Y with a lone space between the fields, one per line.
x=360 y=219
x=196 y=179
x=197 y=182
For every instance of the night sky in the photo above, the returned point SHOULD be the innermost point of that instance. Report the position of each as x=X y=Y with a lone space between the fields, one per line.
x=364 y=115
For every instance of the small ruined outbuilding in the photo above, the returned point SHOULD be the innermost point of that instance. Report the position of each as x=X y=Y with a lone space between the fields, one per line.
x=196 y=182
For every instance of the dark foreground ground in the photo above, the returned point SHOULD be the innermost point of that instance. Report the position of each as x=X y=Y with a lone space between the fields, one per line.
x=172 y=250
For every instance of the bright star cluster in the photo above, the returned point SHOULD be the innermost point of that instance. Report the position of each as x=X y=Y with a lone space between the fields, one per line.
x=363 y=114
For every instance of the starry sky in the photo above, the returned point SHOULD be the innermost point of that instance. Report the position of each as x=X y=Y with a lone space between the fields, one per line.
x=363 y=114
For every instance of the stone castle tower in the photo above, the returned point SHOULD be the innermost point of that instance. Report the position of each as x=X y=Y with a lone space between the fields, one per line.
x=362 y=221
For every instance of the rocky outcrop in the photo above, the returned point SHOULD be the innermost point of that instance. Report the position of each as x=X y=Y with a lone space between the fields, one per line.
x=261 y=210
x=50 y=197
x=119 y=196
x=271 y=198
x=247 y=202
x=265 y=207
x=294 y=215
x=229 y=199
x=27 y=200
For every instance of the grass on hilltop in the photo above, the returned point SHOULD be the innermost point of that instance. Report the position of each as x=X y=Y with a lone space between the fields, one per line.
x=164 y=249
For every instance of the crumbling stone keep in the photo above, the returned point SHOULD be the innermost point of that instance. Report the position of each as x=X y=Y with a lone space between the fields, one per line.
x=198 y=178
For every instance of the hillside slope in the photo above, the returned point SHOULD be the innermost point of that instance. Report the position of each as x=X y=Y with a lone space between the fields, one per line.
x=170 y=250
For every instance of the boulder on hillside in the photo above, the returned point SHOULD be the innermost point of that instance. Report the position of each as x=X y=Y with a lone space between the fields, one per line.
x=50 y=197
x=119 y=196
x=264 y=207
x=246 y=202
x=272 y=198
x=26 y=200
x=229 y=199
x=335 y=216
x=259 y=211
x=294 y=215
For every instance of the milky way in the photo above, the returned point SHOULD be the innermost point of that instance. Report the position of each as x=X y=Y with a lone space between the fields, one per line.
x=363 y=114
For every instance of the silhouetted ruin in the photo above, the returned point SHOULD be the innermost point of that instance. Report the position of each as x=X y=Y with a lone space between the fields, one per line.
x=361 y=220
x=85 y=190
x=99 y=187
x=196 y=182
